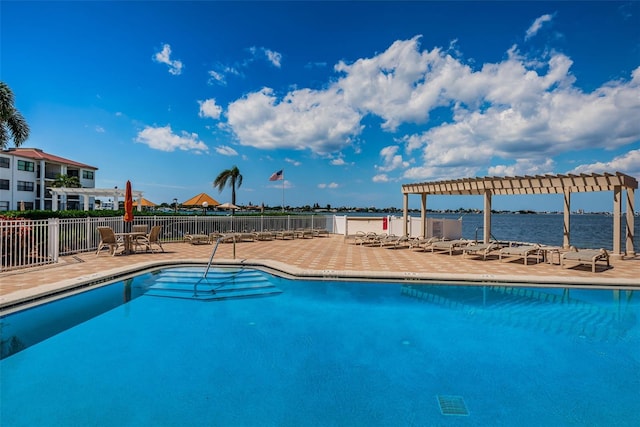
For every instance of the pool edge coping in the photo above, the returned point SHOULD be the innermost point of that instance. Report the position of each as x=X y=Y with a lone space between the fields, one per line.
x=24 y=297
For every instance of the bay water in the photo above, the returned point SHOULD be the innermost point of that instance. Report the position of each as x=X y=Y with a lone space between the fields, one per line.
x=587 y=230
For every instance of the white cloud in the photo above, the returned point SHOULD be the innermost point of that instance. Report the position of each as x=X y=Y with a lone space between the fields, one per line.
x=518 y=112
x=163 y=139
x=628 y=163
x=330 y=185
x=274 y=57
x=304 y=119
x=217 y=77
x=271 y=56
x=292 y=161
x=226 y=150
x=100 y=129
x=537 y=24
x=220 y=74
x=380 y=178
x=208 y=108
x=338 y=161
x=164 y=57
x=391 y=160
x=523 y=167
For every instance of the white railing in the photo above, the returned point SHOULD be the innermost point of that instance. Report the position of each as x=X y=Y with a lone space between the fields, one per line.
x=29 y=243
x=26 y=243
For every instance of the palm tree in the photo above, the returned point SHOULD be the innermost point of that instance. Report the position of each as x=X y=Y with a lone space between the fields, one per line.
x=67 y=182
x=231 y=176
x=11 y=121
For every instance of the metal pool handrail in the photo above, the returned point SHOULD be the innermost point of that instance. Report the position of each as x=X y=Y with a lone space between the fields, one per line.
x=215 y=248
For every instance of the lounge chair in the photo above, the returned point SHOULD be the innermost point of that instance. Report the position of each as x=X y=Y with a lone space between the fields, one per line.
x=521 y=251
x=585 y=256
x=285 y=234
x=373 y=239
x=395 y=241
x=196 y=239
x=109 y=240
x=245 y=236
x=449 y=245
x=364 y=238
x=153 y=238
x=320 y=232
x=478 y=249
x=303 y=233
x=422 y=243
x=263 y=235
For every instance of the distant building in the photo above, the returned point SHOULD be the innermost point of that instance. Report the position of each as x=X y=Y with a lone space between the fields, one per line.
x=27 y=173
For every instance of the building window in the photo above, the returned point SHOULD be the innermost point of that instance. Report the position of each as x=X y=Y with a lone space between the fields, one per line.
x=4 y=162
x=24 y=165
x=4 y=206
x=4 y=184
x=87 y=174
x=25 y=186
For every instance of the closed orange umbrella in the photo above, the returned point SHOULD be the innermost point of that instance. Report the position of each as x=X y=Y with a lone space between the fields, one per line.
x=128 y=203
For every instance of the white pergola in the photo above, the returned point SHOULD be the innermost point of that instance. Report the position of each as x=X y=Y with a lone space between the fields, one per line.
x=539 y=184
x=86 y=193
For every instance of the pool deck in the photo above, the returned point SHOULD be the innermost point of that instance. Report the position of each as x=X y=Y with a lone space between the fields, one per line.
x=328 y=257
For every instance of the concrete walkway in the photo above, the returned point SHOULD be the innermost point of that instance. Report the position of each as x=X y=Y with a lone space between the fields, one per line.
x=321 y=257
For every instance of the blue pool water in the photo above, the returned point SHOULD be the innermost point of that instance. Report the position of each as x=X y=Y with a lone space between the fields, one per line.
x=324 y=354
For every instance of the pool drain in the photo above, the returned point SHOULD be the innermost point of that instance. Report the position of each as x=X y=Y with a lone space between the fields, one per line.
x=452 y=405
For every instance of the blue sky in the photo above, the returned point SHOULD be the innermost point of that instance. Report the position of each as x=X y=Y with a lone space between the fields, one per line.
x=351 y=99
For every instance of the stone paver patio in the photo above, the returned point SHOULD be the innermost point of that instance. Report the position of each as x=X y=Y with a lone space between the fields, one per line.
x=319 y=257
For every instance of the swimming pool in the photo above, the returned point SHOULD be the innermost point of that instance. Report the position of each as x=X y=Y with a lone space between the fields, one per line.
x=322 y=353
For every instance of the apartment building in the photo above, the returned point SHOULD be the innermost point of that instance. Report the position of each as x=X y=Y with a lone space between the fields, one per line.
x=27 y=173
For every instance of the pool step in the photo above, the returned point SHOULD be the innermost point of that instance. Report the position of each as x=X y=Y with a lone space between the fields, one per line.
x=218 y=285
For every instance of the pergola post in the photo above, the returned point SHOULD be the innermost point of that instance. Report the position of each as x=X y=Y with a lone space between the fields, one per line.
x=487 y=216
x=43 y=184
x=405 y=214
x=566 y=234
x=54 y=201
x=423 y=214
x=617 y=209
x=630 y=223
x=85 y=199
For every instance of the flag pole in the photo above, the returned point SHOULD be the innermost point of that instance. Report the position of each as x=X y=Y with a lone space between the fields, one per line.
x=283 y=190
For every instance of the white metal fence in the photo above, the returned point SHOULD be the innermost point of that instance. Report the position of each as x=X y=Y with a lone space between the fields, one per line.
x=28 y=243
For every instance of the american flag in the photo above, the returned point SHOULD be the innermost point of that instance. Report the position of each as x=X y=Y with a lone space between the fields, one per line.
x=277 y=176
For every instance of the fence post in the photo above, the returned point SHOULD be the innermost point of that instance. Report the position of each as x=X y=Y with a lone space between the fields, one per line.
x=54 y=238
x=88 y=235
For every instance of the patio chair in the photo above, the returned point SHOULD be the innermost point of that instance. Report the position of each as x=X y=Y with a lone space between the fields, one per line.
x=109 y=240
x=585 y=256
x=153 y=238
x=140 y=228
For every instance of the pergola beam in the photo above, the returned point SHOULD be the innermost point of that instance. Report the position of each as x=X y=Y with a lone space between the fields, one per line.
x=540 y=184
